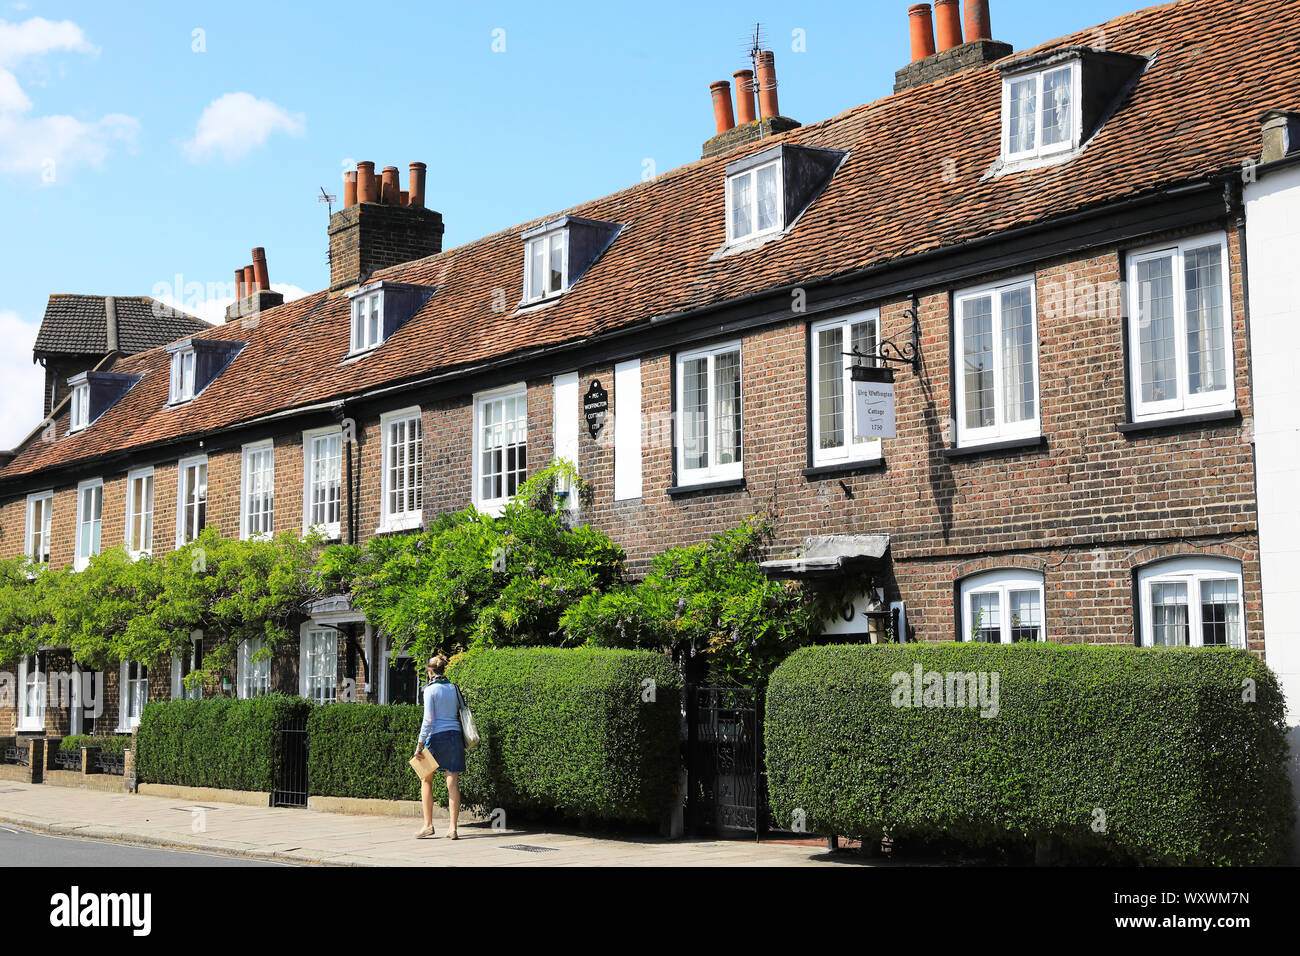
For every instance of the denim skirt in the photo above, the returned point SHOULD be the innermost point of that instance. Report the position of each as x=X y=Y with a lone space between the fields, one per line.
x=448 y=748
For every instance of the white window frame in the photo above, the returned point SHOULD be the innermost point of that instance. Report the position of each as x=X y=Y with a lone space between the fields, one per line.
x=184 y=371
x=399 y=520
x=1001 y=430
x=851 y=450
x=126 y=720
x=1038 y=150
x=47 y=525
x=313 y=685
x=332 y=530
x=252 y=675
x=494 y=506
x=146 y=516
x=37 y=722
x=756 y=233
x=181 y=467
x=90 y=486
x=260 y=456
x=1193 y=571
x=386 y=658
x=179 y=691
x=362 y=307
x=545 y=239
x=1002 y=582
x=80 y=407
x=1224 y=399
x=713 y=471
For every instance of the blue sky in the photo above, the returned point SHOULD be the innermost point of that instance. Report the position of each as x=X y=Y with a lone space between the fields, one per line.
x=148 y=146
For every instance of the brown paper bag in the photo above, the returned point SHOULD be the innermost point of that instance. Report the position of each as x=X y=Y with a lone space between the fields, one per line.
x=424 y=765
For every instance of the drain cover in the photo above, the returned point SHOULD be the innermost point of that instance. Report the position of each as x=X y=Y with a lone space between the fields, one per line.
x=529 y=848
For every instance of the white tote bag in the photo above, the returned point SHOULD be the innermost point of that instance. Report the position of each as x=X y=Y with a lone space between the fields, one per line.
x=467 y=728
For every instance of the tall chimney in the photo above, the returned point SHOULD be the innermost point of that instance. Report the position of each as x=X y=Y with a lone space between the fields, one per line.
x=349 y=188
x=723 y=117
x=744 y=96
x=260 y=274
x=978 y=26
x=948 y=23
x=415 y=187
x=767 y=85
x=922 y=31
x=391 y=188
x=367 y=186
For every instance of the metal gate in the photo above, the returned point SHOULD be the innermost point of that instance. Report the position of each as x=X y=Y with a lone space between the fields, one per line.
x=290 y=764
x=724 y=742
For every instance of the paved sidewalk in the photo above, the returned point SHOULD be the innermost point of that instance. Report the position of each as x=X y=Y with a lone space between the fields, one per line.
x=307 y=836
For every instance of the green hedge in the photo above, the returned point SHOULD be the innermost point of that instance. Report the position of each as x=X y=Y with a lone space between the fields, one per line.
x=213 y=743
x=564 y=731
x=1144 y=755
x=112 y=745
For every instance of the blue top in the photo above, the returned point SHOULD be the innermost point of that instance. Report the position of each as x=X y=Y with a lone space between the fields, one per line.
x=441 y=709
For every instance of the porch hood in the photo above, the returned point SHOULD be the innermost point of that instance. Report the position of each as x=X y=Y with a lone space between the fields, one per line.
x=829 y=555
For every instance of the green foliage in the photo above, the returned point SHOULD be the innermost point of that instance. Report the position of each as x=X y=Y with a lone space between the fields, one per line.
x=1142 y=755
x=364 y=752
x=214 y=743
x=112 y=745
x=712 y=597
x=473 y=580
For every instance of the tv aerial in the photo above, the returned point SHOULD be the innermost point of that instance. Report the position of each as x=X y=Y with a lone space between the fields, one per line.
x=327 y=199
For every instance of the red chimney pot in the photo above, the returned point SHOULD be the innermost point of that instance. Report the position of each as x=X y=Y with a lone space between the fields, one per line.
x=367 y=185
x=349 y=188
x=260 y=274
x=744 y=96
x=389 y=196
x=948 y=17
x=978 y=26
x=922 y=31
x=723 y=117
x=415 y=187
x=767 y=105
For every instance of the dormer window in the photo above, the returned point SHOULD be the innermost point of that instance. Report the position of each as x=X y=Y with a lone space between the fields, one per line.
x=182 y=382
x=558 y=253
x=80 y=407
x=1040 y=112
x=381 y=308
x=545 y=266
x=754 y=202
x=367 y=321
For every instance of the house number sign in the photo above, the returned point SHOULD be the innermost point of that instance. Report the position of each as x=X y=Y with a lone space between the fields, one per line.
x=595 y=406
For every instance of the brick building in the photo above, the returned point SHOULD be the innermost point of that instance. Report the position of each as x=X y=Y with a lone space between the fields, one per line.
x=1054 y=240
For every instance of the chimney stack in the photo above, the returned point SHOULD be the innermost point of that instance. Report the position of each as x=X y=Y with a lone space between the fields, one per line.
x=978 y=26
x=385 y=226
x=767 y=106
x=922 y=31
x=744 y=96
x=948 y=23
x=723 y=117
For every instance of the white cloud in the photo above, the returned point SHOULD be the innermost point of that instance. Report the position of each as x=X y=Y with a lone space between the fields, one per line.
x=236 y=123
x=22 y=382
x=38 y=36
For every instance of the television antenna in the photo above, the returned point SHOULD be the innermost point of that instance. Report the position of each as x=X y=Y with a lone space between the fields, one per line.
x=327 y=199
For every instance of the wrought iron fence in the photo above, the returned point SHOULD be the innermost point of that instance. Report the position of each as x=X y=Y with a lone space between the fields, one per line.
x=22 y=756
x=114 y=763
x=68 y=760
x=290 y=765
x=727 y=791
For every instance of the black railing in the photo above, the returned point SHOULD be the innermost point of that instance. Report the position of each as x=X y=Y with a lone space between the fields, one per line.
x=290 y=765
x=68 y=760
x=22 y=756
x=114 y=763
x=726 y=783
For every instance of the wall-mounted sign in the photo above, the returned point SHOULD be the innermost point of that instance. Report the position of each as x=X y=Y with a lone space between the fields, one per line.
x=595 y=406
x=873 y=401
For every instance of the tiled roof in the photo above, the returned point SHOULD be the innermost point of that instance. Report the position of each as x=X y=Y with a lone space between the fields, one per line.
x=78 y=325
x=914 y=182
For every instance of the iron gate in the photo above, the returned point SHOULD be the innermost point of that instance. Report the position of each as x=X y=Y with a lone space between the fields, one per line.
x=290 y=764
x=724 y=742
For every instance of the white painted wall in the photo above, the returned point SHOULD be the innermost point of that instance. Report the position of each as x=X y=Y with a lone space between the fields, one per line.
x=567 y=411
x=627 y=430
x=1272 y=247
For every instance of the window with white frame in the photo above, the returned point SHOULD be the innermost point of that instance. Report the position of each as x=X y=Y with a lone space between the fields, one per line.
x=318 y=663
x=80 y=407
x=90 y=521
x=500 y=446
x=323 y=482
x=257 y=491
x=1180 y=329
x=1040 y=113
x=546 y=265
x=834 y=425
x=134 y=694
x=31 y=694
x=192 y=503
x=186 y=662
x=709 y=415
x=1003 y=607
x=182 y=376
x=40 y=512
x=755 y=202
x=254 y=676
x=367 y=321
x=996 y=334
x=403 y=471
x=1192 y=602
x=139 y=512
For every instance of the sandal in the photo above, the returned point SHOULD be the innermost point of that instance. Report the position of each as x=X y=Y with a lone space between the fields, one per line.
x=451 y=835
x=426 y=832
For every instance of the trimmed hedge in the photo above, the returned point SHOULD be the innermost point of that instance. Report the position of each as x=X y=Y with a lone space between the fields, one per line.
x=563 y=731
x=213 y=743
x=112 y=745
x=1144 y=755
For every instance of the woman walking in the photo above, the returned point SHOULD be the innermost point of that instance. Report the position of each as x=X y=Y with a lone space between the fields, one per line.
x=441 y=733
